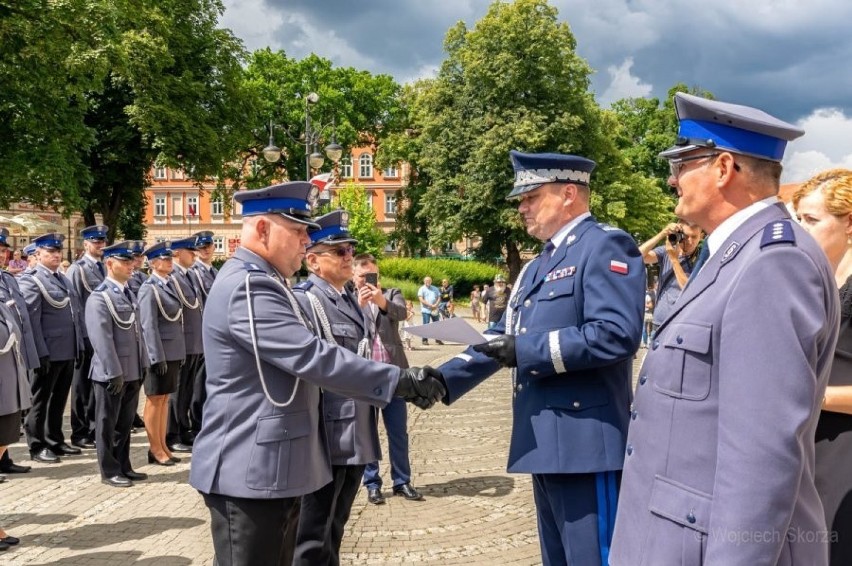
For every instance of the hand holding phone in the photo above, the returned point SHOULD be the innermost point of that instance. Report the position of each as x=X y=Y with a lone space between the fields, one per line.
x=372 y=279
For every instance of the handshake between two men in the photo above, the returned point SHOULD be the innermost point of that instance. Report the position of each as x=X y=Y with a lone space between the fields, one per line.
x=425 y=386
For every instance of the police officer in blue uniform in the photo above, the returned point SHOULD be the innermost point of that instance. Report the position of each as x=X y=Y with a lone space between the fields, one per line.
x=85 y=275
x=56 y=315
x=720 y=455
x=118 y=363
x=139 y=277
x=351 y=426
x=262 y=443
x=573 y=324
x=179 y=435
x=10 y=294
x=204 y=274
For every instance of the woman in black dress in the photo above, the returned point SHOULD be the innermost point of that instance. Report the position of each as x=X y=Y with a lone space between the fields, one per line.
x=14 y=391
x=824 y=208
x=161 y=317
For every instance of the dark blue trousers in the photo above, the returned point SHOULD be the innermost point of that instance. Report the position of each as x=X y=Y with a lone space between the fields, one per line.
x=576 y=516
x=395 y=417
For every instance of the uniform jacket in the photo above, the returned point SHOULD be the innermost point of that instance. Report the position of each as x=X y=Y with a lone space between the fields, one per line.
x=14 y=386
x=351 y=426
x=720 y=455
x=203 y=276
x=137 y=279
x=185 y=287
x=116 y=338
x=58 y=332
x=85 y=276
x=387 y=325
x=10 y=291
x=162 y=322
x=577 y=330
x=248 y=447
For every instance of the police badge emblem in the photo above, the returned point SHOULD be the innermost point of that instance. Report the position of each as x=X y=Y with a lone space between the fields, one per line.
x=313 y=197
x=344 y=220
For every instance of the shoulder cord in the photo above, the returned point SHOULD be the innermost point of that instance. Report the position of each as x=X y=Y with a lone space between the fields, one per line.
x=297 y=311
x=50 y=300
x=11 y=343
x=123 y=324
x=200 y=282
x=510 y=314
x=83 y=280
x=176 y=316
x=183 y=300
x=363 y=345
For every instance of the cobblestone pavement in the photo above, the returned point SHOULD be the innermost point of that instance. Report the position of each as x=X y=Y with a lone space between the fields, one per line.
x=473 y=511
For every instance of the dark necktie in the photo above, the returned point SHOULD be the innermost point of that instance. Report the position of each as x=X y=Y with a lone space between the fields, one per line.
x=100 y=268
x=128 y=294
x=702 y=259
x=60 y=280
x=543 y=260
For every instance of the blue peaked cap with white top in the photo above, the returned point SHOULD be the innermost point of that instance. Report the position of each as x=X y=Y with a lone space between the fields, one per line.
x=122 y=250
x=51 y=240
x=96 y=232
x=295 y=200
x=711 y=124
x=533 y=170
x=333 y=229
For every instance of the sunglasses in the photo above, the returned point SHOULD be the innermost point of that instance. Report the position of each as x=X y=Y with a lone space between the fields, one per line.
x=341 y=251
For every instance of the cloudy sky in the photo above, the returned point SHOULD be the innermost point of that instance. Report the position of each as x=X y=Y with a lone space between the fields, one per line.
x=788 y=57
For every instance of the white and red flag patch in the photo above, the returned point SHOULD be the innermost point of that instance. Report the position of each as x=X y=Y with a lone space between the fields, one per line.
x=618 y=267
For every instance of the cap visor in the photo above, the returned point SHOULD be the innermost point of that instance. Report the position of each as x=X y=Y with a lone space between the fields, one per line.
x=677 y=150
x=518 y=191
x=308 y=223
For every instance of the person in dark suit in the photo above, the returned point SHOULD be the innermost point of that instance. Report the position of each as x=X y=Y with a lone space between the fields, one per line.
x=85 y=275
x=11 y=296
x=262 y=444
x=179 y=435
x=56 y=315
x=14 y=390
x=161 y=318
x=384 y=309
x=118 y=363
x=719 y=465
x=571 y=328
x=351 y=425
x=204 y=273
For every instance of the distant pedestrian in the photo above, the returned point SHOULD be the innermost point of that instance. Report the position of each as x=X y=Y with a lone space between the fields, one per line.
x=497 y=299
x=430 y=298
x=17 y=264
x=475 y=297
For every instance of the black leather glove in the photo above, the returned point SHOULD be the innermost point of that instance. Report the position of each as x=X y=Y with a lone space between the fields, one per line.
x=44 y=364
x=422 y=386
x=160 y=368
x=501 y=349
x=78 y=361
x=115 y=385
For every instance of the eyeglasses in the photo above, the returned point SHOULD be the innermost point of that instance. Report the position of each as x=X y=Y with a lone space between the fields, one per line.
x=676 y=165
x=341 y=251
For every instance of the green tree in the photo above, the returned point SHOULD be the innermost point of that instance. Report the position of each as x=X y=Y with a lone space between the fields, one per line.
x=352 y=198
x=512 y=82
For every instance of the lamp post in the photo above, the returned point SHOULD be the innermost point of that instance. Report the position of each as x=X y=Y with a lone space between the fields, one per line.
x=313 y=158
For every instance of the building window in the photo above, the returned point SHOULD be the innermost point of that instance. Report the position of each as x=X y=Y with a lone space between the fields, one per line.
x=391 y=172
x=159 y=172
x=177 y=207
x=192 y=206
x=365 y=165
x=216 y=208
x=159 y=206
x=178 y=174
x=369 y=198
x=346 y=168
x=219 y=244
x=390 y=203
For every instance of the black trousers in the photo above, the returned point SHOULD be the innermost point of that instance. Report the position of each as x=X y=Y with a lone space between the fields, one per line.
x=113 y=420
x=199 y=395
x=50 y=393
x=179 y=428
x=251 y=532
x=83 y=400
x=323 y=517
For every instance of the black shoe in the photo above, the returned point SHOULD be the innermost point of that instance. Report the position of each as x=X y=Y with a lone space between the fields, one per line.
x=439 y=342
x=374 y=496
x=45 y=456
x=407 y=491
x=425 y=342
x=175 y=459
x=135 y=476
x=84 y=443
x=2 y=479
x=15 y=469
x=117 y=481
x=138 y=422
x=12 y=541
x=180 y=447
x=153 y=460
x=66 y=450
x=3 y=546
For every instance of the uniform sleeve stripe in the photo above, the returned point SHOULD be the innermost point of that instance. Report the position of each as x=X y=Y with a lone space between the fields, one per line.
x=464 y=357
x=555 y=352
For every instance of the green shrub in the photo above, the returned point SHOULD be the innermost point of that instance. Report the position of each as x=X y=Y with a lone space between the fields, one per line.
x=407 y=274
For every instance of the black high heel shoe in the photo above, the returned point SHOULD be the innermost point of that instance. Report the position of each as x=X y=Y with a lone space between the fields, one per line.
x=153 y=460
x=175 y=459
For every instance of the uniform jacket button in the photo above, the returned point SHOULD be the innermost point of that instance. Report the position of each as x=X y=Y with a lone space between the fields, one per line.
x=633 y=415
x=655 y=345
x=527 y=303
x=533 y=372
x=550 y=294
x=523 y=330
x=629 y=449
x=519 y=387
x=643 y=379
x=679 y=339
x=690 y=518
x=576 y=404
